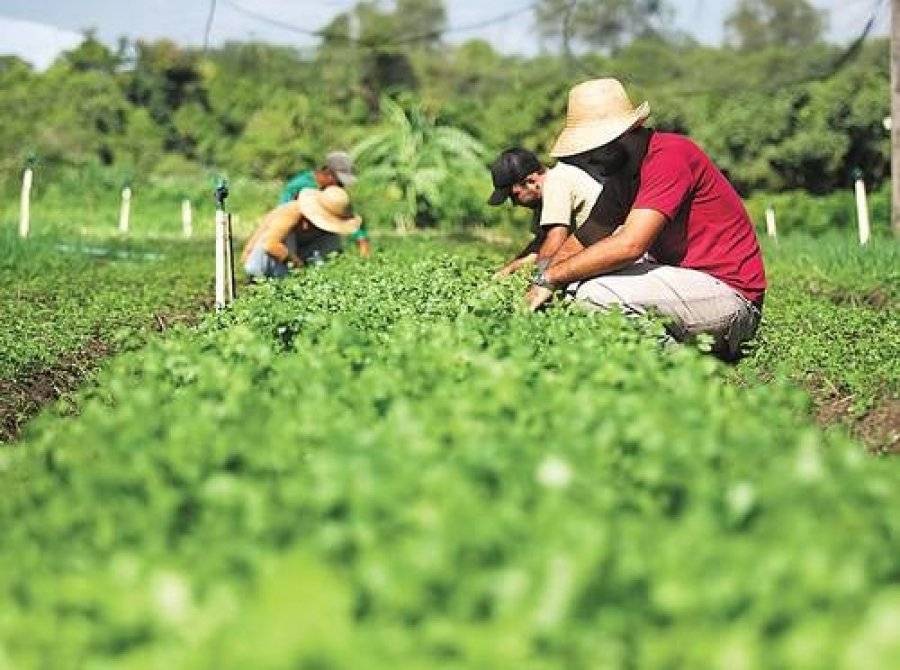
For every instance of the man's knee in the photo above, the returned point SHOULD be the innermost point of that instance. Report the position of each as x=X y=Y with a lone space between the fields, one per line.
x=594 y=293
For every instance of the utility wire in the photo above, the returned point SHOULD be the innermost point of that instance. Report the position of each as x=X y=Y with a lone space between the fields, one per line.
x=400 y=41
x=837 y=64
x=833 y=68
x=856 y=44
x=209 y=22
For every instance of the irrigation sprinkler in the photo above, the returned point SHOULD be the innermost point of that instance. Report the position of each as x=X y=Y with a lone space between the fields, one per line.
x=187 y=218
x=225 y=283
x=770 y=223
x=862 y=208
x=25 y=200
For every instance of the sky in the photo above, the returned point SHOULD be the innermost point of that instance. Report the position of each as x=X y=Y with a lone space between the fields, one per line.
x=37 y=30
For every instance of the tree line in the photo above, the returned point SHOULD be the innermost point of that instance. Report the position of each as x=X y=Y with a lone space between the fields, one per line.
x=777 y=106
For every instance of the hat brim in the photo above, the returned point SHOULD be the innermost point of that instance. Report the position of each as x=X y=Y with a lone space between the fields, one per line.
x=323 y=219
x=499 y=196
x=577 y=139
x=346 y=178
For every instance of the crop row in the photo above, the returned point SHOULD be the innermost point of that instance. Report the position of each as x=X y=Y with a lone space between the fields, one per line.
x=387 y=464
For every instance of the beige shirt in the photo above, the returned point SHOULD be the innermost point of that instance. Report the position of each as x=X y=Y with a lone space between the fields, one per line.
x=568 y=196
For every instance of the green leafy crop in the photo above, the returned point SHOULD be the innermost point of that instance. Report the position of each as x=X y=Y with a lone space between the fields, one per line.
x=386 y=463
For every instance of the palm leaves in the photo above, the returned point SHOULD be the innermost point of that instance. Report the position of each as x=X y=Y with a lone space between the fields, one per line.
x=416 y=160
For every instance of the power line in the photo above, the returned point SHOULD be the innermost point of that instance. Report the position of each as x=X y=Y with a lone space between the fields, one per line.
x=400 y=41
x=209 y=22
x=833 y=68
x=263 y=18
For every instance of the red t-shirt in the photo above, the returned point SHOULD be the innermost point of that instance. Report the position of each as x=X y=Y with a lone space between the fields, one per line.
x=708 y=228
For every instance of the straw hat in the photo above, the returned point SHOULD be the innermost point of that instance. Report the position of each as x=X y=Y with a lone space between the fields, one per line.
x=329 y=210
x=598 y=112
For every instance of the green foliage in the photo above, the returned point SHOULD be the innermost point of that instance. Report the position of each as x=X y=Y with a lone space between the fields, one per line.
x=415 y=165
x=85 y=202
x=64 y=294
x=775 y=119
x=278 y=137
x=607 y=23
x=830 y=320
x=819 y=215
x=385 y=463
x=756 y=24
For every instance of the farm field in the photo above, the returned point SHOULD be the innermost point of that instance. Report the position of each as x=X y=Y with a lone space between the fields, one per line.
x=385 y=460
x=67 y=304
x=386 y=463
x=832 y=326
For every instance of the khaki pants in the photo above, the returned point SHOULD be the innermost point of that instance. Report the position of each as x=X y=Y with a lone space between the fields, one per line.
x=693 y=302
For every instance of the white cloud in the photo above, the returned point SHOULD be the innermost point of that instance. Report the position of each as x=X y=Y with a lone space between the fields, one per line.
x=34 y=42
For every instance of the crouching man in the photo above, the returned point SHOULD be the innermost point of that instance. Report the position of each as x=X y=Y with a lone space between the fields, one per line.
x=299 y=232
x=707 y=272
x=562 y=198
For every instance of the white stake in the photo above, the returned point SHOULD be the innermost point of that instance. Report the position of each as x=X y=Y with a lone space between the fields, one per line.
x=187 y=222
x=25 y=204
x=862 y=212
x=770 y=222
x=125 y=210
x=221 y=223
x=229 y=262
x=225 y=284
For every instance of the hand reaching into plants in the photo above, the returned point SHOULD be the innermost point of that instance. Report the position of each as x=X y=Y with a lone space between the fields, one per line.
x=514 y=266
x=537 y=296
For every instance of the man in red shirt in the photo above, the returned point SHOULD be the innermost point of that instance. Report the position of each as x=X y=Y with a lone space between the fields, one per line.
x=706 y=273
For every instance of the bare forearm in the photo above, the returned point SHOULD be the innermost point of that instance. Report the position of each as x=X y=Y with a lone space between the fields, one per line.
x=552 y=243
x=614 y=252
x=515 y=265
x=280 y=252
x=608 y=255
x=570 y=247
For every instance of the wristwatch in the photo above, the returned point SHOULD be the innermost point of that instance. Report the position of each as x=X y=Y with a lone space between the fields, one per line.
x=539 y=278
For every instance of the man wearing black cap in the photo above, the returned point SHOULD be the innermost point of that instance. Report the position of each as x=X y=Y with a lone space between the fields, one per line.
x=562 y=198
x=521 y=170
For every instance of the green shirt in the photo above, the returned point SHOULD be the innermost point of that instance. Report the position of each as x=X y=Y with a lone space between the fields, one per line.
x=360 y=234
x=299 y=182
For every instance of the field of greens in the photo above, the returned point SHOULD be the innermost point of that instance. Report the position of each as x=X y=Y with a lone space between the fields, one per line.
x=67 y=303
x=832 y=325
x=388 y=463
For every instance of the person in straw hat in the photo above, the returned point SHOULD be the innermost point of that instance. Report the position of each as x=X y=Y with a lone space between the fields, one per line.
x=572 y=197
x=706 y=274
x=300 y=231
x=336 y=171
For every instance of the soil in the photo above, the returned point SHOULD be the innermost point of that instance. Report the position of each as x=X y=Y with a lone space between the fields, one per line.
x=24 y=395
x=878 y=429
x=875 y=299
x=881 y=427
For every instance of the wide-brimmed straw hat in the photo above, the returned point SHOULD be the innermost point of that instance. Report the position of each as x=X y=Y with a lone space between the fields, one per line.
x=598 y=112
x=329 y=210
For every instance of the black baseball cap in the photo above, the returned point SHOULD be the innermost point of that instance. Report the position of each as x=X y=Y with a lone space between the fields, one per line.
x=512 y=166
